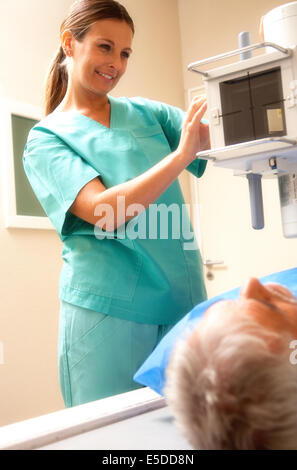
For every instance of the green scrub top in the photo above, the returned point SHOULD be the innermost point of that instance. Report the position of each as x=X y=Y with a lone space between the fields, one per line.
x=146 y=280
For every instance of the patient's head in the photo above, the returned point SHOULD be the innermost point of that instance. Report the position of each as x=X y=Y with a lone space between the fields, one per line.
x=230 y=383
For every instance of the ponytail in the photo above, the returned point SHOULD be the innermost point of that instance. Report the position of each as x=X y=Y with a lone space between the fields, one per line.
x=56 y=82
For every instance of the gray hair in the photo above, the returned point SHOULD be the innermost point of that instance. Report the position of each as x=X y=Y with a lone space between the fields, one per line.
x=230 y=390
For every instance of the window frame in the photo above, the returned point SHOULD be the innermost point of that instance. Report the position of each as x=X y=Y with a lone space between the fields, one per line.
x=12 y=219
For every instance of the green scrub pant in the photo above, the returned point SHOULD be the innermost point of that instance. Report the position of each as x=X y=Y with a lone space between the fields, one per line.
x=98 y=354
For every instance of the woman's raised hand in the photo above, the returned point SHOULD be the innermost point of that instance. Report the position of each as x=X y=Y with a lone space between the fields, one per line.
x=195 y=134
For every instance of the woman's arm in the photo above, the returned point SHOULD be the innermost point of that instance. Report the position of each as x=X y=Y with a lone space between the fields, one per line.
x=147 y=187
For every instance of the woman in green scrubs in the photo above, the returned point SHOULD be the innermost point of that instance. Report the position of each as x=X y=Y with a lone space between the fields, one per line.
x=105 y=171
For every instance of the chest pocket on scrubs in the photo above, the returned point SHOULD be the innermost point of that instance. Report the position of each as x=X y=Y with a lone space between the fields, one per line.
x=152 y=141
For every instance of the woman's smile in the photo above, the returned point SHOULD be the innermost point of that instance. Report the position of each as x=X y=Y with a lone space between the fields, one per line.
x=105 y=76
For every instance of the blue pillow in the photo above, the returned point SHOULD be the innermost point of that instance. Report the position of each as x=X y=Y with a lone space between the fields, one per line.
x=152 y=371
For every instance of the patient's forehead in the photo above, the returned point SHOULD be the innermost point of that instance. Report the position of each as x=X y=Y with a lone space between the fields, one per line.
x=215 y=316
x=220 y=307
x=217 y=313
x=275 y=310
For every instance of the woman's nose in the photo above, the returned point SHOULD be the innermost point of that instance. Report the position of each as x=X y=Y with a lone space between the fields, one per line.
x=116 y=62
x=253 y=289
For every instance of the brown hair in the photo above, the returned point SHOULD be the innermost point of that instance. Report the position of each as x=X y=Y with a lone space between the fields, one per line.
x=82 y=14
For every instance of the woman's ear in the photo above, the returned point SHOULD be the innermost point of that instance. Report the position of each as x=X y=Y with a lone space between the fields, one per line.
x=67 y=42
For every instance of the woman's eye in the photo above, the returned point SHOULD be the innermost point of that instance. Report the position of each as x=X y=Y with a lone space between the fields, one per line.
x=105 y=47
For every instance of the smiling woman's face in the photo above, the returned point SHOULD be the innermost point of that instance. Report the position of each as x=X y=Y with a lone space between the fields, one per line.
x=271 y=305
x=100 y=59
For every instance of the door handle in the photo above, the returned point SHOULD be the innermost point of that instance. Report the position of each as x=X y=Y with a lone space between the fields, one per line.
x=209 y=262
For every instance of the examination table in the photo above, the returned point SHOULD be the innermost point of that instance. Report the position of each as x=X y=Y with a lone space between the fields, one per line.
x=137 y=420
